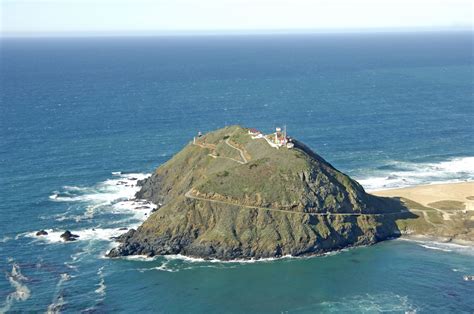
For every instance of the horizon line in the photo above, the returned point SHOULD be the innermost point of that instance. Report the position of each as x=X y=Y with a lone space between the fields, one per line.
x=178 y=33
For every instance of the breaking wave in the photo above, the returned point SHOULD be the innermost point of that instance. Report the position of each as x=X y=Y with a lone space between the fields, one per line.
x=93 y=234
x=21 y=293
x=122 y=187
x=442 y=246
x=5 y=239
x=101 y=285
x=178 y=262
x=58 y=302
x=399 y=174
x=111 y=197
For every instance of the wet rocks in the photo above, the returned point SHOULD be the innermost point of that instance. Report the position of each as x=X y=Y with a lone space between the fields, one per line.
x=68 y=236
x=41 y=233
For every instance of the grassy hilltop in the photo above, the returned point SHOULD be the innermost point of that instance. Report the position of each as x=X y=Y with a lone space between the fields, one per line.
x=228 y=195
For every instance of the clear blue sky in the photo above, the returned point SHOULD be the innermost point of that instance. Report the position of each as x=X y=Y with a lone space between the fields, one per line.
x=38 y=17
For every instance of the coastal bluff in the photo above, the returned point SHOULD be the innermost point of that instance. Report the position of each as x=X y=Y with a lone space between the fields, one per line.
x=236 y=193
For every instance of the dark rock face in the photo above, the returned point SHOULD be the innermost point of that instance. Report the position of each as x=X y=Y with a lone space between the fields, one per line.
x=41 y=233
x=68 y=236
x=212 y=203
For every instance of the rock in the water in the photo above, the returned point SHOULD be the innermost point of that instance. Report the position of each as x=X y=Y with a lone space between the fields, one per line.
x=41 y=233
x=68 y=236
x=229 y=196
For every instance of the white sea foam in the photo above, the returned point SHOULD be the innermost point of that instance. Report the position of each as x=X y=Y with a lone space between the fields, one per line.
x=399 y=174
x=56 y=306
x=442 y=246
x=99 y=234
x=435 y=248
x=101 y=285
x=367 y=303
x=204 y=262
x=141 y=258
x=178 y=262
x=5 y=239
x=21 y=293
x=112 y=196
x=122 y=187
x=189 y=259
x=58 y=302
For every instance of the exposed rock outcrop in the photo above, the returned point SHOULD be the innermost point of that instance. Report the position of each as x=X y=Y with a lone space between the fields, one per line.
x=231 y=196
x=68 y=236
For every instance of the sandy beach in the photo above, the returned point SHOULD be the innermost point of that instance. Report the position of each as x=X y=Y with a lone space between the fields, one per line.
x=445 y=212
x=439 y=196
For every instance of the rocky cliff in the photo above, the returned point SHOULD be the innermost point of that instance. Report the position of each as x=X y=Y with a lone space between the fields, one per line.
x=228 y=195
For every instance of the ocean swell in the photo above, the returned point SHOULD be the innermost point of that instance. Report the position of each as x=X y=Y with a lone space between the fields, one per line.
x=398 y=174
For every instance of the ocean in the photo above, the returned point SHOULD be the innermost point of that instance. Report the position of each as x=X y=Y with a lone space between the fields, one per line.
x=82 y=119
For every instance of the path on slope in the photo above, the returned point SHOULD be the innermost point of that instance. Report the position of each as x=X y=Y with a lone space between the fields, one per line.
x=242 y=155
x=189 y=195
x=213 y=148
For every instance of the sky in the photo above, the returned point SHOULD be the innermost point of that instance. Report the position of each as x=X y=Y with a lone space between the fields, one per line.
x=61 y=17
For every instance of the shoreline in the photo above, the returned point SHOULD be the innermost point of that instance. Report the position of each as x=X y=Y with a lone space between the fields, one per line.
x=428 y=194
x=435 y=239
x=445 y=212
x=419 y=239
x=425 y=192
x=425 y=184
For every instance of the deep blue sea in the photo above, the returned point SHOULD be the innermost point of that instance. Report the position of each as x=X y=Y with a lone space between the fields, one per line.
x=82 y=119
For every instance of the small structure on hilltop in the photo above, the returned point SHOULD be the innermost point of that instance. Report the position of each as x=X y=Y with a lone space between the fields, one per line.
x=198 y=135
x=277 y=139
x=281 y=138
x=255 y=133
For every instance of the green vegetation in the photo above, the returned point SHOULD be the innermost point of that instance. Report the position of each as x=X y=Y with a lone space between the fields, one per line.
x=273 y=202
x=448 y=205
x=414 y=205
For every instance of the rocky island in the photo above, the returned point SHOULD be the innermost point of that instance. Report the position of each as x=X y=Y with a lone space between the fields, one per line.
x=236 y=193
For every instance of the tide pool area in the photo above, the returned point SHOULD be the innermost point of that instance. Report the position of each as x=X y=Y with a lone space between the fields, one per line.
x=83 y=120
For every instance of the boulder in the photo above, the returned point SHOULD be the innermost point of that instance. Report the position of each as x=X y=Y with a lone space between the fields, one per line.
x=41 y=233
x=68 y=236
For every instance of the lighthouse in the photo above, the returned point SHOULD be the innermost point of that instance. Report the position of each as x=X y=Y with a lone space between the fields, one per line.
x=277 y=133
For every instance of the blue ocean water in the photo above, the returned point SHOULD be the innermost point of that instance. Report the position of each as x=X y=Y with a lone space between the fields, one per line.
x=388 y=109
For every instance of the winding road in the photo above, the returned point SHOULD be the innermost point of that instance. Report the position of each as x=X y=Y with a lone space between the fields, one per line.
x=242 y=155
x=189 y=195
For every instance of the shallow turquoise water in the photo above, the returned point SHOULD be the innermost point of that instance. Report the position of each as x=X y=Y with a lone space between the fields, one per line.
x=390 y=110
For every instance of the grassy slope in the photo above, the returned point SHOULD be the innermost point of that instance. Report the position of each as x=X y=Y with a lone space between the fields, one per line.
x=271 y=177
x=430 y=222
x=284 y=178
